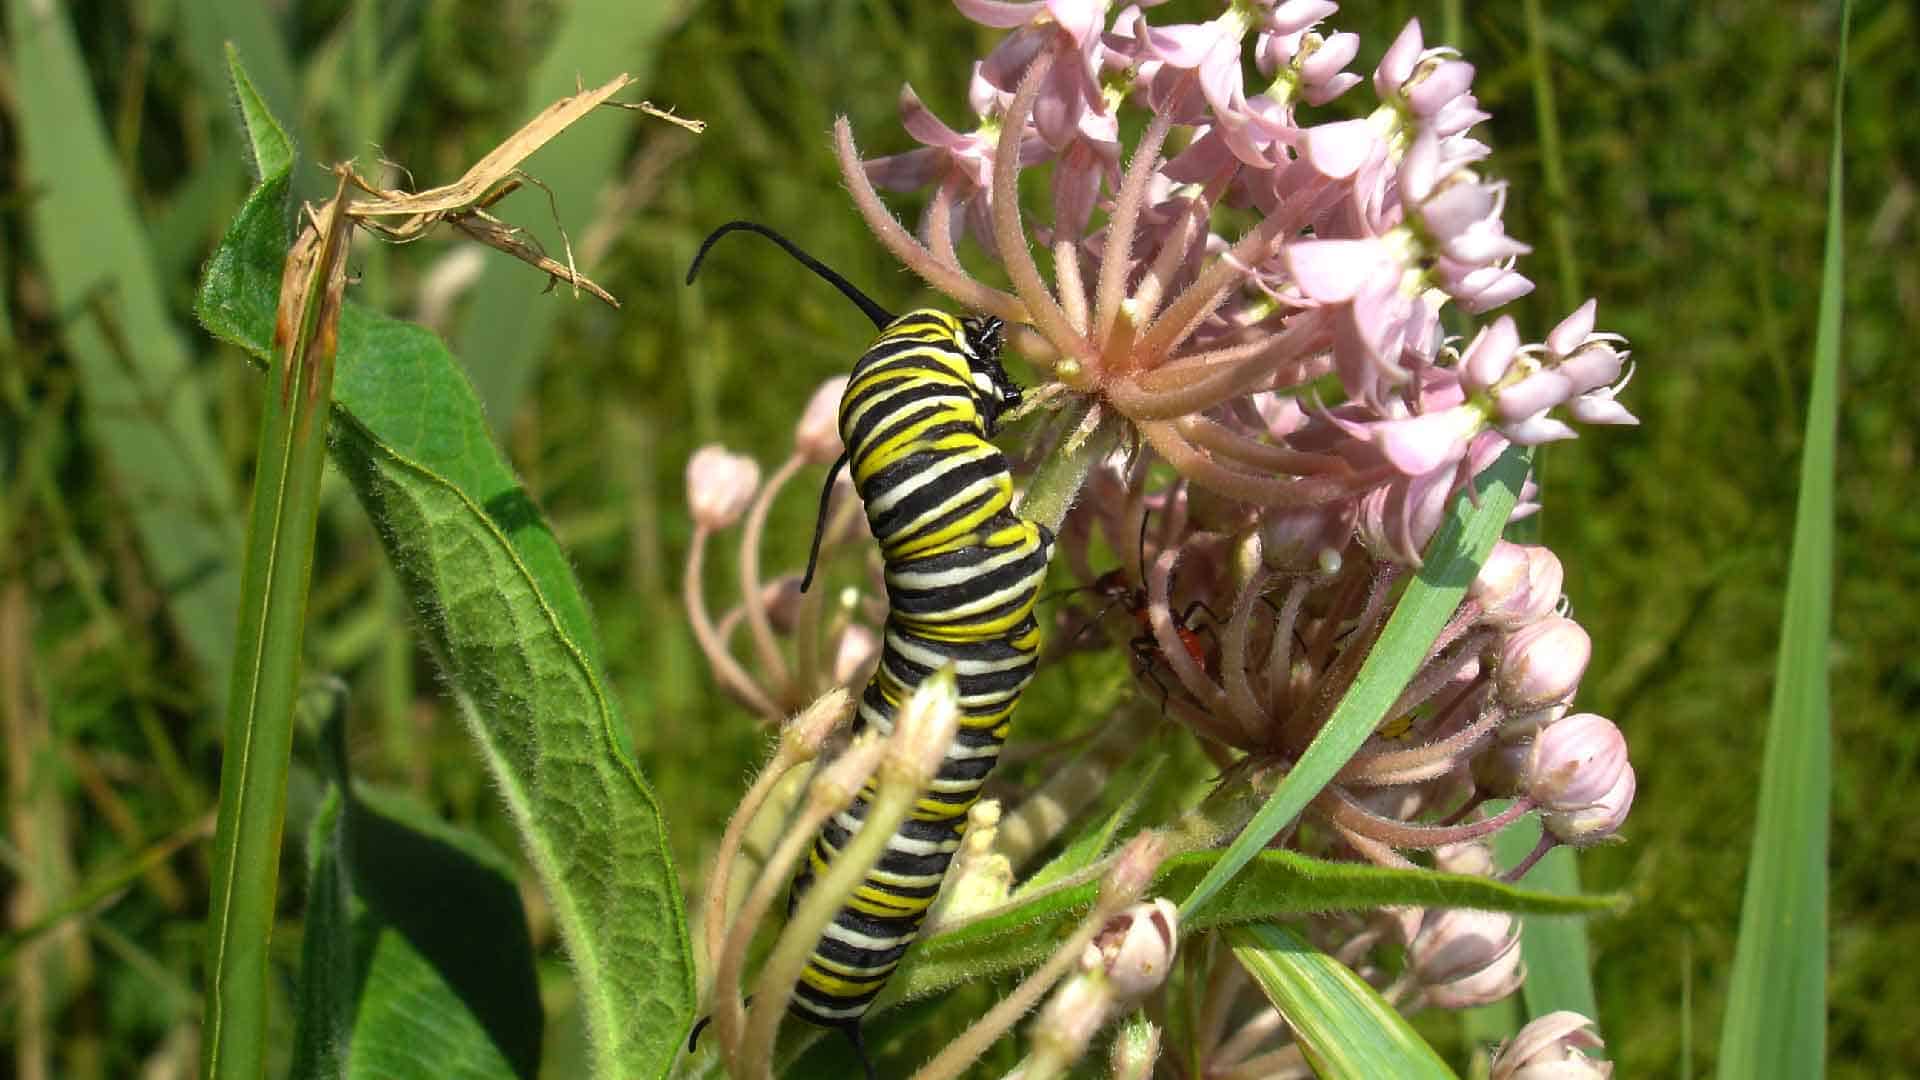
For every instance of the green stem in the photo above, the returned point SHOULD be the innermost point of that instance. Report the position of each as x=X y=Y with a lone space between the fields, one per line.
x=266 y=670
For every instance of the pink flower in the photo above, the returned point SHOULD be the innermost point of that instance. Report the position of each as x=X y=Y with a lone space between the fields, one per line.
x=961 y=165
x=719 y=486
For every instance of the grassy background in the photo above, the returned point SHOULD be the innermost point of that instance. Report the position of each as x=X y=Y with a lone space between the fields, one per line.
x=1692 y=141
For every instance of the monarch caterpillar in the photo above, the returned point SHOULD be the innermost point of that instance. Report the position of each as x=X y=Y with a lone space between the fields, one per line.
x=962 y=573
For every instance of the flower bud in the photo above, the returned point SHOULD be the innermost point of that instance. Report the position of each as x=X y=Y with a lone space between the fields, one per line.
x=1592 y=824
x=719 y=486
x=1550 y=1048
x=854 y=653
x=817 y=436
x=1576 y=762
x=805 y=733
x=924 y=729
x=1136 y=947
x=1519 y=584
x=1541 y=663
x=980 y=878
x=1465 y=958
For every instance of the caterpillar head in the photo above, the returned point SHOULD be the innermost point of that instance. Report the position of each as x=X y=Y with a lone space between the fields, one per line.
x=981 y=338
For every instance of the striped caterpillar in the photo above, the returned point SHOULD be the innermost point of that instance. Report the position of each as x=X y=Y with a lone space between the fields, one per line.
x=962 y=574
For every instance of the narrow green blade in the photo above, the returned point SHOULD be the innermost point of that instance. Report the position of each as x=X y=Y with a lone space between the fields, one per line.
x=1345 y=1027
x=1776 y=1006
x=266 y=665
x=1453 y=559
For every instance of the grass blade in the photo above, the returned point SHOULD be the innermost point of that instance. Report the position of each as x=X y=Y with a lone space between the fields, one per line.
x=1344 y=1026
x=1453 y=558
x=266 y=670
x=1776 y=1006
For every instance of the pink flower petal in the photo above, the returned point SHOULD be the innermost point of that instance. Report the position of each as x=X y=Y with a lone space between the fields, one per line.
x=1333 y=271
x=1336 y=151
x=1573 y=329
x=998 y=14
x=1396 y=66
x=1420 y=444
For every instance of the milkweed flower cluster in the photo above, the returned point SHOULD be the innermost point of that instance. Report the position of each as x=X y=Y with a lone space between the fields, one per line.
x=1253 y=290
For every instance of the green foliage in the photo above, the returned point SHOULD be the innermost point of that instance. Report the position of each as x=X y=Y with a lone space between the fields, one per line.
x=1272 y=884
x=513 y=633
x=1346 y=1029
x=1776 y=1022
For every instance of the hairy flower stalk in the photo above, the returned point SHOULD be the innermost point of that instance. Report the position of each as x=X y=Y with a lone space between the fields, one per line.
x=1247 y=298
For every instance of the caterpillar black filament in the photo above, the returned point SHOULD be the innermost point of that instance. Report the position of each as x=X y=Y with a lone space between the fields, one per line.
x=962 y=574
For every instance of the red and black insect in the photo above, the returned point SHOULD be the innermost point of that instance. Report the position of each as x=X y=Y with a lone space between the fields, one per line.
x=1120 y=593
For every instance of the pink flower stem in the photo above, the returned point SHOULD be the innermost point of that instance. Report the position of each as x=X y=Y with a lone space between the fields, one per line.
x=1199 y=299
x=1197 y=466
x=1167 y=262
x=1547 y=843
x=1009 y=235
x=1115 y=259
x=725 y=668
x=939 y=229
x=766 y=649
x=1340 y=809
x=1373 y=850
x=1247 y=708
x=1419 y=763
x=894 y=237
x=1067 y=282
x=1280 y=659
x=1222 y=441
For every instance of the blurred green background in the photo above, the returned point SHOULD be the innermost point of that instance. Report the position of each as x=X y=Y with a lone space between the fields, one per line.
x=1685 y=189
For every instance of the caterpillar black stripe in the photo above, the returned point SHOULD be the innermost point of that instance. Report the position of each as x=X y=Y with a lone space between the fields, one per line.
x=962 y=574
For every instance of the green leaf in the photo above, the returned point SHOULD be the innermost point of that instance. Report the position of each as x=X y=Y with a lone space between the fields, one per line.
x=505 y=619
x=1343 y=1025
x=144 y=406
x=1453 y=558
x=1776 y=1007
x=1274 y=883
x=416 y=961
x=272 y=150
x=508 y=327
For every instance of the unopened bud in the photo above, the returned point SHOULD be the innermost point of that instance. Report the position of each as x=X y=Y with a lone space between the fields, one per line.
x=1592 y=824
x=1501 y=769
x=925 y=728
x=854 y=652
x=1519 y=584
x=817 y=436
x=1542 y=663
x=1136 y=948
x=719 y=486
x=805 y=733
x=1576 y=762
x=1550 y=1048
x=1465 y=958
x=1133 y=870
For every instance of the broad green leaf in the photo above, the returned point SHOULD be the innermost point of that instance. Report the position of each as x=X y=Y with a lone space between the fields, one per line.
x=508 y=326
x=416 y=959
x=268 y=646
x=1347 y=1030
x=505 y=619
x=1777 y=1007
x=144 y=406
x=1453 y=558
x=1274 y=883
